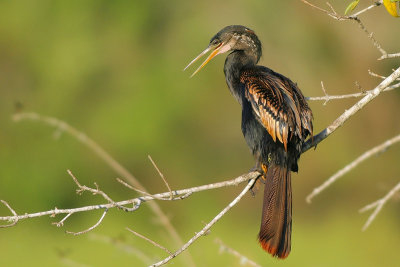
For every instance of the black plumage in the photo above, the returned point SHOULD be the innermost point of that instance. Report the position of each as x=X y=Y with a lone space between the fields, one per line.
x=276 y=120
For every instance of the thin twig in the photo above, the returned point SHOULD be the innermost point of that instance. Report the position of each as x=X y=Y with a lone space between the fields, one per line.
x=243 y=259
x=161 y=175
x=366 y=155
x=327 y=98
x=385 y=56
x=312 y=142
x=376 y=75
x=135 y=189
x=371 y=37
x=90 y=228
x=61 y=223
x=155 y=197
x=13 y=219
x=208 y=226
x=111 y=162
x=355 y=18
x=122 y=246
x=97 y=191
x=149 y=240
x=378 y=205
x=373 y=74
x=331 y=14
x=83 y=188
x=325 y=93
x=136 y=201
x=378 y=3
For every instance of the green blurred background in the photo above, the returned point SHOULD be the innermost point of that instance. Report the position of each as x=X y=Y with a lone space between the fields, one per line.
x=113 y=69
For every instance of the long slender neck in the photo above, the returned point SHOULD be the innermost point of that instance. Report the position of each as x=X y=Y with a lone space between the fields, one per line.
x=234 y=64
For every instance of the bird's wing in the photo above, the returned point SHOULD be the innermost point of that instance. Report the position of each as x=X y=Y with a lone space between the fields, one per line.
x=275 y=102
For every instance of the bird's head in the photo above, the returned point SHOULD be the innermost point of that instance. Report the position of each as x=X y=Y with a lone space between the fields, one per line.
x=231 y=38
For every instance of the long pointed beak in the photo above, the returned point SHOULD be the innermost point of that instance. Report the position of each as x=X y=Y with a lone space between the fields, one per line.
x=213 y=54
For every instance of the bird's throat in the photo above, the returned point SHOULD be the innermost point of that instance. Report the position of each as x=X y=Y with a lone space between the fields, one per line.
x=235 y=62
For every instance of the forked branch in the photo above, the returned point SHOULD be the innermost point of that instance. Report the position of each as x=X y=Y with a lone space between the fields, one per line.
x=378 y=205
x=208 y=226
x=376 y=150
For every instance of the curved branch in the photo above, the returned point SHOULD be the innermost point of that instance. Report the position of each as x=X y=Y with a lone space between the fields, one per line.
x=91 y=227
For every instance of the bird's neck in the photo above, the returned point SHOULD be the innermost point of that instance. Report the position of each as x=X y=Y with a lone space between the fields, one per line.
x=235 y=62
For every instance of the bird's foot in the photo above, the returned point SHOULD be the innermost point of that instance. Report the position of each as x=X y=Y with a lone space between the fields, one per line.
x=260 y=180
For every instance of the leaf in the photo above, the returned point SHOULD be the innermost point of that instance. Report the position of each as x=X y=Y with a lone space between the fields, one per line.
x=351 y=7
x=391 y=7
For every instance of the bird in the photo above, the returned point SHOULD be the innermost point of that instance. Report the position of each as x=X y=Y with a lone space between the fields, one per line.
x=276 y=121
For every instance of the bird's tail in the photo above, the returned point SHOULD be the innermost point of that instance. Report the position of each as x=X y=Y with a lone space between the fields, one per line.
x=276 y=221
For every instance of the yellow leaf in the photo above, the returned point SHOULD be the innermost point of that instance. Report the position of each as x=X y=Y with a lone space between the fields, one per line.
x=391 y=7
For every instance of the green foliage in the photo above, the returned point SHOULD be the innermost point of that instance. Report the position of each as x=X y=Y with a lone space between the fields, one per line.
x=351 y=6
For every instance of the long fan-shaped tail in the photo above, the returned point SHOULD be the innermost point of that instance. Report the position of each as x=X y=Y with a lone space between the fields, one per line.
x=276 y=222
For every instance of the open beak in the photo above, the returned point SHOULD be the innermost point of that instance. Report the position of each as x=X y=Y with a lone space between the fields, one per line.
x=215 y=51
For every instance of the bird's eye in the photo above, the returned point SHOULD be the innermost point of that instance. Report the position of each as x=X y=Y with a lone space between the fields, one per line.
x=215 y=42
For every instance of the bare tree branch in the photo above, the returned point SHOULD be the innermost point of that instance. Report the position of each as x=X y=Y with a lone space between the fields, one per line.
x=149 y=240
x=385 y=56
x=378 y=205
x=62 y=126
x=371 y=37
x=328 y=98
x=350 y=112
x=243 y=259
x=122 y=246
x=61 y=223
x=161 y=175
x=139 y=191
x=14 y=219
x=369 y=95
x=377 y=3
x=208 y=226
x=333 y=14
x=90 y=228
x=378 y=149
x=135 y=201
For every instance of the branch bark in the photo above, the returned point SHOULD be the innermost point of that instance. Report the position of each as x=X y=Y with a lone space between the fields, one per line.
x=135 y=201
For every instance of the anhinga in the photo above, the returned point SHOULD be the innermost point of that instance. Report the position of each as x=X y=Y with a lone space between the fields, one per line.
x=276 y=120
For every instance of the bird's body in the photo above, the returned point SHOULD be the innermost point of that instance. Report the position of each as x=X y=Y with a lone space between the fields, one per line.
x=276 y=120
